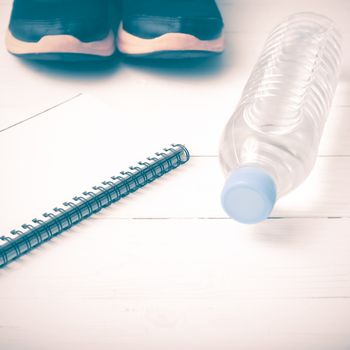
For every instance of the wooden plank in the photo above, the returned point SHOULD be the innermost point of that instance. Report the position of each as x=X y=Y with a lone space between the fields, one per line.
x=25 y=91
x=193 y=191
x=199 y=284
x=193 y=95
x=163 y=104
x=187 y=259
x=153 y=94
x=190 y=283
x=256 y=16
x=175 y=324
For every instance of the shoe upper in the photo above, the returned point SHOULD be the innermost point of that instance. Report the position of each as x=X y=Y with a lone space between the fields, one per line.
x=153 y=18
x=87 y=20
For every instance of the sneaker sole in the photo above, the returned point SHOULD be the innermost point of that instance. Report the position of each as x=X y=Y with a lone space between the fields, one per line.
x=57 y=47
x=170 y=45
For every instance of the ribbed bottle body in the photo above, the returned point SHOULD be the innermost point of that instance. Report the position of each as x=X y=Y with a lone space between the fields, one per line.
x=279 y=121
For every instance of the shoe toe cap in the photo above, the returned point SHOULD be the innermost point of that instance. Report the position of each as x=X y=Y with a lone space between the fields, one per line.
x=150 y=27
x=33 y=31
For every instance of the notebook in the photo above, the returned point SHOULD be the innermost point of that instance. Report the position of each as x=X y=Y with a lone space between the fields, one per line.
x=70 y=162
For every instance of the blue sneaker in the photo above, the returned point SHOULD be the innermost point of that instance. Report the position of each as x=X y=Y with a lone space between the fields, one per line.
x=61 y=29
x=172 y=28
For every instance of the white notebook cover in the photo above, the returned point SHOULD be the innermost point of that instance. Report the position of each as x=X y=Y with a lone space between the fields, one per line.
x=63 y=152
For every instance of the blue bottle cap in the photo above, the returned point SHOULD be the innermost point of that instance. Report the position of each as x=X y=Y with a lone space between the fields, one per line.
x=249 y=195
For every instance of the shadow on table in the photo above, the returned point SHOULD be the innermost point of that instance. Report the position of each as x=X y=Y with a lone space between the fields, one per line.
x=100 y=69
x=92 y=70
x=194 y=67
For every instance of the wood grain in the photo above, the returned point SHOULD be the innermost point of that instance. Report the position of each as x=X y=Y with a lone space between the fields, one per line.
x=165 y=269
x=182 y=283
x=194 y=192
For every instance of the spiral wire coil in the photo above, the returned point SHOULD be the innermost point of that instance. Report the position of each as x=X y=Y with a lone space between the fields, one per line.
x=20 y=242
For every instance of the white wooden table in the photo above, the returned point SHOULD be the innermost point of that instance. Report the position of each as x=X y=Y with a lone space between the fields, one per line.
x=177 y=273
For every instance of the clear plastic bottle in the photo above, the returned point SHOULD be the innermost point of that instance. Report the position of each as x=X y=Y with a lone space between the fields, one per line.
x=270 y=144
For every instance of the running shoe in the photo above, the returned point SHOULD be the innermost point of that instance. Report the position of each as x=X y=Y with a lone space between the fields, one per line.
x=61 y=29
x=170 y=28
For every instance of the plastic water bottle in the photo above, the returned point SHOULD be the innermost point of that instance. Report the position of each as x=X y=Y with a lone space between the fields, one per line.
x=270 y=144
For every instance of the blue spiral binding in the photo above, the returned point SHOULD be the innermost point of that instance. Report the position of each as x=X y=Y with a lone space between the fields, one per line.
x=20 y=242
